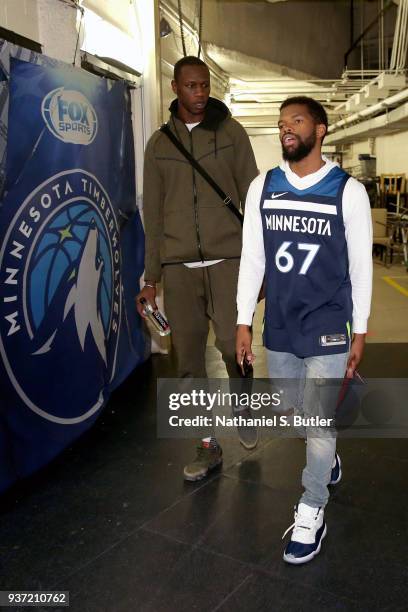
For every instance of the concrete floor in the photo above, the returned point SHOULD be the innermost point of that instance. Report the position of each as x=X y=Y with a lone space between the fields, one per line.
x=113 y=522
x=389 y=311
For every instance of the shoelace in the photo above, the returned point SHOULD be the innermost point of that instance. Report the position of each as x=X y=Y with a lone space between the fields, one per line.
x=305 y=519
x=203 y=450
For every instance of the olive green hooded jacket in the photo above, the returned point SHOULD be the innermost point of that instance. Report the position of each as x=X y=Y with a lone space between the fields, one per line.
x=185 y=220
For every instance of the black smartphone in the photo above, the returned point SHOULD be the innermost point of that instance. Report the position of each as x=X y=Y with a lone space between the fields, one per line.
x=246 y=367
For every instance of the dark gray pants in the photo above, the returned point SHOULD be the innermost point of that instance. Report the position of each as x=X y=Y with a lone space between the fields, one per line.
x=193 y=297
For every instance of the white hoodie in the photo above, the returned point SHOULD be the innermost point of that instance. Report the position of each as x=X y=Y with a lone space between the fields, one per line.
x=358 y=230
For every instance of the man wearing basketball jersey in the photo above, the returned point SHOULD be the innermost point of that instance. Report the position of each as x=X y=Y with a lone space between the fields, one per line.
x=308 y=231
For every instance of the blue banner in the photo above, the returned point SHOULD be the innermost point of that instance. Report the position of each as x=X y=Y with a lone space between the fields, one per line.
x=70 y=260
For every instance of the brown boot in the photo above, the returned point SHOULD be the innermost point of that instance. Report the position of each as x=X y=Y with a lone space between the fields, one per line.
x=208 y=457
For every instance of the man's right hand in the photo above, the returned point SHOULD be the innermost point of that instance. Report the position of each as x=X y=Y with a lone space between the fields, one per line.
x=149 y=294
x=243 y=345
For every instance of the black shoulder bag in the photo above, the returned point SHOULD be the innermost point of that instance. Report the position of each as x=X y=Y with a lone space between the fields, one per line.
x=226 y=199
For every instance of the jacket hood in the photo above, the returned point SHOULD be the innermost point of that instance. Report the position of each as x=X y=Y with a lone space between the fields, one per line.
x=215 y=113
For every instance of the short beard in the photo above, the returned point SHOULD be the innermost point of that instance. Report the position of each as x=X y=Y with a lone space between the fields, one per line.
x=301 y=151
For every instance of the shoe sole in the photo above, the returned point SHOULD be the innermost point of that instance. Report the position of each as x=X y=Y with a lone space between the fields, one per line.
x=201 y=476
x=249 y=446
x=300 y=560
x=334 y=482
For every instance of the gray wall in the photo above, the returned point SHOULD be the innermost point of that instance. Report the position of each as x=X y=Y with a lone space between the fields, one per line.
x=311 y=37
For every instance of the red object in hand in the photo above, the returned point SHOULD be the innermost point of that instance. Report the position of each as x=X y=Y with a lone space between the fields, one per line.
x=345 y=385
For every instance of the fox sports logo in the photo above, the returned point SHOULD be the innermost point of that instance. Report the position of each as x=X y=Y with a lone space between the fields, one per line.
x=70 y=116
x=61 y=307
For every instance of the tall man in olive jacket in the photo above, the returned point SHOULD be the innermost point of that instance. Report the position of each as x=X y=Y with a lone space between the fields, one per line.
x=193 y=240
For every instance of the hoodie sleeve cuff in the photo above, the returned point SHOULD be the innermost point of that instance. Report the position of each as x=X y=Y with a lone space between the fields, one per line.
x=359 y=326
x=244 y=317
x=152 y=275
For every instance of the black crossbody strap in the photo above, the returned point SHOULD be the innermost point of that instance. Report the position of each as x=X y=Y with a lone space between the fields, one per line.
x=226 y=199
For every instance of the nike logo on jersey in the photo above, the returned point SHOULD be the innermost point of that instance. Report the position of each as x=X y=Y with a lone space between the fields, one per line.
x=278 y=195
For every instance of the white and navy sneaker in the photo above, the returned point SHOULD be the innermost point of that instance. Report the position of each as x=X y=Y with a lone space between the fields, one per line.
x=309 y=529
x=336 y=472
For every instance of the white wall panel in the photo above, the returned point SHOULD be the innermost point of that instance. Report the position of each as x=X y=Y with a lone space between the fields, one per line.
x=58 y=29
x=115 y=12
x=268 y=151
x=20 y=16
x=392 y=153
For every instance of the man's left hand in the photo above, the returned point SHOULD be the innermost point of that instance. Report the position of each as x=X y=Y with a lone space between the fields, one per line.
x=356 y=354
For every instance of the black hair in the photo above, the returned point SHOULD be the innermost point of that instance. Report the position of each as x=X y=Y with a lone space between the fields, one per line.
x=313 y=106
x=189 y=60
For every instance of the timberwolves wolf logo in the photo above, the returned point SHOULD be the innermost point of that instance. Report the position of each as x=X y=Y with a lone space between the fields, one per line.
x=61 y=297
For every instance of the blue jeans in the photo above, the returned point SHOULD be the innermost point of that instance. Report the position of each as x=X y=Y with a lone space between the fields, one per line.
x=320 y=449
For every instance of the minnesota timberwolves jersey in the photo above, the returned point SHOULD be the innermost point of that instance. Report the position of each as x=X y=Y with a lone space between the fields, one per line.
x=308 y=304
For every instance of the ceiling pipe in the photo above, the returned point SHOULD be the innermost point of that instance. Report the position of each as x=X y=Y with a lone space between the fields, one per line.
x=365 y=31
x=371 y=110
x=169 y=11
x=399 y=48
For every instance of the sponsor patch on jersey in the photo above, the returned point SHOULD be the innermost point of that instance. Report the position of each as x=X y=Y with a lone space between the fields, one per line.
x=333 y=340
